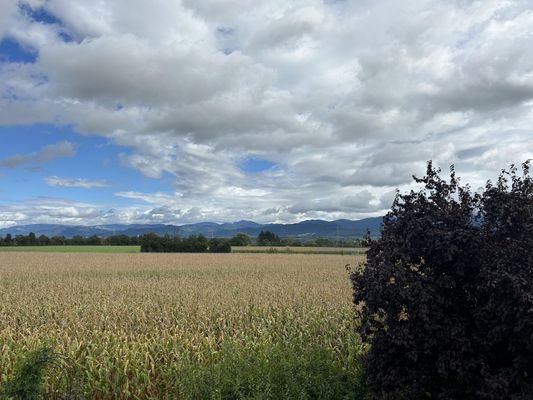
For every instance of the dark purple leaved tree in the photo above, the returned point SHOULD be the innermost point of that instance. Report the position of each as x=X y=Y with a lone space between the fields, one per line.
x=446 y=293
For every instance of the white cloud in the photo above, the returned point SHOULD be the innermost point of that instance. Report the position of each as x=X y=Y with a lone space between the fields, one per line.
x=348 y=99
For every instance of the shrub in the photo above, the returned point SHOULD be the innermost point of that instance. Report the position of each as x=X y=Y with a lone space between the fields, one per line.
x=219 y=246
x=240 y=239
x=446 y=294
x=28 y=379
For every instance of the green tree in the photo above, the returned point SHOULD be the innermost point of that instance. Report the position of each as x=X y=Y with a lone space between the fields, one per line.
x=150 y=242
x=57 y=240
x=43 y=240
x=21 y=240
x=267 y=238
x=219 y=246
x=32 y=239
x=240 y=239
x=94 y=241
x=8 y=240
x=77 y=240
x=118 y=240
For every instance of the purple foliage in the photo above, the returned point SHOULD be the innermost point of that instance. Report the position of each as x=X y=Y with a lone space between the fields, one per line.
x=446 y=294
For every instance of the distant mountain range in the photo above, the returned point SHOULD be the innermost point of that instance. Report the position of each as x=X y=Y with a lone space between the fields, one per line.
x=305 y=229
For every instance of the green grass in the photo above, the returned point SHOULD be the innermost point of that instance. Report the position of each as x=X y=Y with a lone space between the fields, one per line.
x=300 y=250
x=74 y=249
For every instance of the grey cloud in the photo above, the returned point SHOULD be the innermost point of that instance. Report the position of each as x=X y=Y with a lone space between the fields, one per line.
x=381 y=176
x=136 y=73
x=280 y=32
x=45 y=154
x=7 y=11
x=387 y=199
x=473 y=152
x=482 y=96
x=359 y=202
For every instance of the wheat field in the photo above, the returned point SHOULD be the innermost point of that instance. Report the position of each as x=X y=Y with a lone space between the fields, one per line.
x=151 y=326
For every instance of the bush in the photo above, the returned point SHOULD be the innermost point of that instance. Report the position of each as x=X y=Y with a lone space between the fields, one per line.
x=446 y=294
x=240 y=239
x=28 y=379
x=219 y=246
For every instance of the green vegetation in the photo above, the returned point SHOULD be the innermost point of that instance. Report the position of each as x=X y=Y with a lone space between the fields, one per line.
x=73 y=249
x=271 y=371
x=152 y=243
x=240 y=239
x=267 y=238
x=32 y=240
x=27 y=381
x=299 y=250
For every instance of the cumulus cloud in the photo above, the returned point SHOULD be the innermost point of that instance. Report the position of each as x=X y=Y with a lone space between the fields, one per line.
x=51 y=210
x=347 y=99
x=45 y=154
x=54 y=180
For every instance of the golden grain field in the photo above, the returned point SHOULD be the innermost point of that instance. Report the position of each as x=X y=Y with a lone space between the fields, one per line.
x=143 y=325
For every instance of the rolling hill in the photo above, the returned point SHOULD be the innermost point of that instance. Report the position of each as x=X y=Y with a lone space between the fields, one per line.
x=305 y=229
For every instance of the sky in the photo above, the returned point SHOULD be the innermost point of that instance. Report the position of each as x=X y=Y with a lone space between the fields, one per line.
x=183 y=111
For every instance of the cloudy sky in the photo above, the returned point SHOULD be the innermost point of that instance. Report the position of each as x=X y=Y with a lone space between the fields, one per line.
x=179 y=111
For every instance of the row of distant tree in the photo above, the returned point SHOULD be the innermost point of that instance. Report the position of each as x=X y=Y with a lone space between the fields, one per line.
x=152 y=243
x=42 y=240
x=265 y=238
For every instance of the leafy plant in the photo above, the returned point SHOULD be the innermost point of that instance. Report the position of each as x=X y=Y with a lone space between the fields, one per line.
x=29 y=373
x=270 y=372
x=446 y=294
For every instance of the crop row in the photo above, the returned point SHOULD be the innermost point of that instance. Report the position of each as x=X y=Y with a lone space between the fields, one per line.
x=151 y=325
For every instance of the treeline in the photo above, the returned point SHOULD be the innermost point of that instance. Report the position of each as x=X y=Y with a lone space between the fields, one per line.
x=32 y=240
x=265 y=238
x=152 y=243
x=149 y=242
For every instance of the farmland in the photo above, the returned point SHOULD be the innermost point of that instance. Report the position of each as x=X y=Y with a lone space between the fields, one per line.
x=300 y=250
x=186 y=326
x=235 y=249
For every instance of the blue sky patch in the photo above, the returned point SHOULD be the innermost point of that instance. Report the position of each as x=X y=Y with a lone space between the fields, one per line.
x=39 y=14
x=12 y=51
x=96 y=158
x=256 y=164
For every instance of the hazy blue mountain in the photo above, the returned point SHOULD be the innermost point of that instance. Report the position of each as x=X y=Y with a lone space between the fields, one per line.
x=304 y=229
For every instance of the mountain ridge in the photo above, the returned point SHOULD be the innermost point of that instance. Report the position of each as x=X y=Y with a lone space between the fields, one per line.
x=308 y=228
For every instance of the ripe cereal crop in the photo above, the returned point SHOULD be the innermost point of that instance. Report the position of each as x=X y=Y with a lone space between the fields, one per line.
x=151 y=326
